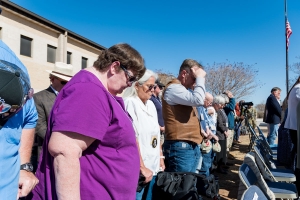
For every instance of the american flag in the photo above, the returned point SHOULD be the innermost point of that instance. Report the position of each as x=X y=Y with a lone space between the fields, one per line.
x=288 y=33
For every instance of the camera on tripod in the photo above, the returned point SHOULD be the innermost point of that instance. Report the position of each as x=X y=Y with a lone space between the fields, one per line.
x=246 y=104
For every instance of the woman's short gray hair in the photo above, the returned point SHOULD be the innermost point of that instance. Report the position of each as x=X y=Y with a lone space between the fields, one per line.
x=131 y=91
x=226 y=98
x=219 y=100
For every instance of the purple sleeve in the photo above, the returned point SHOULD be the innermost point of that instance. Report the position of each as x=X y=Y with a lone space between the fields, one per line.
x=82 y=108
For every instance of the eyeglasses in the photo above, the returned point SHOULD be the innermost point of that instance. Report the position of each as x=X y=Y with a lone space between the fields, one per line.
x=150 y=87
x=131 y=78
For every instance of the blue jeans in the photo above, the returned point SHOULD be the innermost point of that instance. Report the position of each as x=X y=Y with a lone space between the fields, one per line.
x=237 y=131
x=147 y=191
x=273 y=132
x=181 y=156
x=199 y=164
x=206 y=164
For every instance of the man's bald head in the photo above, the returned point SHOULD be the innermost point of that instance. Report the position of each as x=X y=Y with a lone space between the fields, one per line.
x=208 y=99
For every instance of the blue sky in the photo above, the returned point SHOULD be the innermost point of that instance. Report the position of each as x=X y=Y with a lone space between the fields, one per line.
x=167 y=32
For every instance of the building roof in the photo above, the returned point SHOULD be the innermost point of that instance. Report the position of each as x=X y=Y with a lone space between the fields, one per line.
x=22 y=11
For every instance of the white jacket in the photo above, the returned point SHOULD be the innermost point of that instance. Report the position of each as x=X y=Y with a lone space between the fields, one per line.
x=147 y=130
x=294 y=99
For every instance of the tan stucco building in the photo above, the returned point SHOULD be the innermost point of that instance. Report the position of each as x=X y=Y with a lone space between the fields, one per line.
x=39 y=43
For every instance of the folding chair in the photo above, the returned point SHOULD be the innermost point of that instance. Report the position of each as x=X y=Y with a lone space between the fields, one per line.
x=268 y=158
x=272 y=150
x=264 y=142
x=278 y=189
x=276 y=174
x=254 y=193
x=253 y=137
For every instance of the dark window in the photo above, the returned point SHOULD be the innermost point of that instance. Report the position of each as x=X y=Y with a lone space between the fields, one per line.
x=25 y=49
x=51 y=53
x=69 y=56
x=84 y=62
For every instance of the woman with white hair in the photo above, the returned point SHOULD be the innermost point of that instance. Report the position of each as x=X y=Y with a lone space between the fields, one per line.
x=222 y=128
x=144 y=116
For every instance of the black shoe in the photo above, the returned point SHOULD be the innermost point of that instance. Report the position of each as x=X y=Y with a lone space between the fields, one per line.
x=229 y=164
x=222 y=171
x=225 y=167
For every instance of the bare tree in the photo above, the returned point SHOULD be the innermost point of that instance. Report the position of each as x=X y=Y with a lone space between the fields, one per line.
x=164 y=77
x=237 y=77
x=260 y=107
x=296 y=67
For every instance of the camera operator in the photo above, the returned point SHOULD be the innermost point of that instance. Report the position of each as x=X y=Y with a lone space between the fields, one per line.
x=251 y=115
x=239 y=117
x=229 y=110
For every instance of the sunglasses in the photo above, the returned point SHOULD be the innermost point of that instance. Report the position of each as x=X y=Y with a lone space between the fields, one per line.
x=150 y=87
x=131 y=78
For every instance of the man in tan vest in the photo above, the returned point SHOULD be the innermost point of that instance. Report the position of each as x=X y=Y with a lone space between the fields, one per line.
x=182 y=129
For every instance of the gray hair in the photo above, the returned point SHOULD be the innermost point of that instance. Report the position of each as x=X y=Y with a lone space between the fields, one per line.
x=225 y=97
x=219 y=100
x=131 y=91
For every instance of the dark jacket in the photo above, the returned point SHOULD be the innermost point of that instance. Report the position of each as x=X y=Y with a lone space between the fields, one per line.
x=229 y=110
x=221 y=124
x=158 y=106
x=44 y=101
x=273 y=110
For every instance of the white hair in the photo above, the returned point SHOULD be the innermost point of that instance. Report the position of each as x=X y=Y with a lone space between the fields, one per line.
x=225 y=97
x=219 y=100
x=131 y=91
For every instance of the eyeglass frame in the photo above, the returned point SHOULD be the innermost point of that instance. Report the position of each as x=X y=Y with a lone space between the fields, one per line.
x=131 y=78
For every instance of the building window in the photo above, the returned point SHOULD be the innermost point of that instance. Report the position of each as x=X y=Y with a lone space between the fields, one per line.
x=51 y=54
x=84 y=62
x=69 y=56
x=25 y=49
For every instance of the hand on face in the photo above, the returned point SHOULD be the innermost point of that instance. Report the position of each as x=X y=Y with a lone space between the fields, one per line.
x=198 y=72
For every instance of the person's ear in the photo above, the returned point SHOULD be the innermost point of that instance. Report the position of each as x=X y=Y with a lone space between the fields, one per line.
x=114 y=67
x=136 y=85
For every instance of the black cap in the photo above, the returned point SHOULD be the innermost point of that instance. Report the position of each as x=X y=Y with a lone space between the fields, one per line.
x=14 y=86
x=157 y=82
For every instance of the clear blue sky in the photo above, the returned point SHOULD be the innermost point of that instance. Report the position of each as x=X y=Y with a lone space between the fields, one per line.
x=167 y=32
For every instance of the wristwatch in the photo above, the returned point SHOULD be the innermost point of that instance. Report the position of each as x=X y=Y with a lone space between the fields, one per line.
x=27 y=166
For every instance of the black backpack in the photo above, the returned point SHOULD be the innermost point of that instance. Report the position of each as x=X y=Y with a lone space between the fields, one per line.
x=185 y=186
x=208 y=186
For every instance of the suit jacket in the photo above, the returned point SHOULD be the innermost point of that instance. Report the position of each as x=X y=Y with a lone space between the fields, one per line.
x=273 y=110
x=44 y=101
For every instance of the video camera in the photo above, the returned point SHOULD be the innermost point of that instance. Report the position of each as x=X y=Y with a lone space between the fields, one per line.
x=246 y=104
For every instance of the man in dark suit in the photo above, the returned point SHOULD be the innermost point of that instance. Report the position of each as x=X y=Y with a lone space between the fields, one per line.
x=273 y=114
x=44 y=101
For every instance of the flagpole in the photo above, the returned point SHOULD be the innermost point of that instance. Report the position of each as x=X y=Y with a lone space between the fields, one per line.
x=286 y=49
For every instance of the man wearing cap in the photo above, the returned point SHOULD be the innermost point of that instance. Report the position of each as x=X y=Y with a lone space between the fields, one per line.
x=209 y=132
x=44 y=101
x=18 y=118
x=182 y=128
x=157 y=102
x=229 y=110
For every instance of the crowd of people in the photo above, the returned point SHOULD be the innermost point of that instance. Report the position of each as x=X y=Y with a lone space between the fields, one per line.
x=108 y=130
